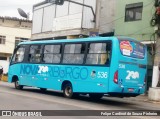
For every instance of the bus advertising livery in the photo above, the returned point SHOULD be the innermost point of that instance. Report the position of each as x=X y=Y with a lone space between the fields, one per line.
x=115 y=66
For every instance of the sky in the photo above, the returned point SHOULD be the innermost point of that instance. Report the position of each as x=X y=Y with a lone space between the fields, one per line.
x=9 y=7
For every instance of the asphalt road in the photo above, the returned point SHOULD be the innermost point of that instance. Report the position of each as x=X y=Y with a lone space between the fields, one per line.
x=34 y=99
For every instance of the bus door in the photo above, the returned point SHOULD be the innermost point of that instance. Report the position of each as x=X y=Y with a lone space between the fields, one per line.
x=132 y=64
x=16 y=62
x=29 y=68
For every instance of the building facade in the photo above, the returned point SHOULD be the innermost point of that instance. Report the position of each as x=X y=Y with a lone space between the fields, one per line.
x=133 y=20
x=51 y=21
x=12 y=31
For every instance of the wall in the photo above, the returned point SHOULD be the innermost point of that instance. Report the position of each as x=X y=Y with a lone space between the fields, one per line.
x=69 y=16
x=106 y=16
x=10 y=34
x=140 y=30
x=11 y=29
x=51 y=21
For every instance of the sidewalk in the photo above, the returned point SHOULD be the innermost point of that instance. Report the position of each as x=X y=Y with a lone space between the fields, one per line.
x=143 y=98
x=4 y=78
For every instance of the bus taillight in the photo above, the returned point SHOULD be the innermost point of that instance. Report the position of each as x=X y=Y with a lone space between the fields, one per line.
x=116 y=77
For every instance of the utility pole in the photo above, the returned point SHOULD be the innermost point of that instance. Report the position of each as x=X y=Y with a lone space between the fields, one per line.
x=154 y=91
x=156 y=67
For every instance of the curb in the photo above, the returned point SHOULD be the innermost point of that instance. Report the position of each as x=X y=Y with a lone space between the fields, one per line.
x=144 y=98
x=4 y=78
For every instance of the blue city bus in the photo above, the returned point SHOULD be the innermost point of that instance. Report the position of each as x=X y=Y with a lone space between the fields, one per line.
x=96 y=66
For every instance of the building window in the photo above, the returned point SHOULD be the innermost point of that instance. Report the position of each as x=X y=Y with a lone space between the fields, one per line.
x=2 y=39
x=52 y=54
x=3 y=58
x=74 y=53
x=19 y=39
x=133 y=12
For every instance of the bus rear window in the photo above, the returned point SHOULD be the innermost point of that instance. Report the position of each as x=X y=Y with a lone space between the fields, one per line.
x=132 y=49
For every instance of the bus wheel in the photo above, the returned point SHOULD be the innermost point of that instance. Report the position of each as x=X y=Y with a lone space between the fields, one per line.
x=95 y=96
x=43 y=89
x=17 y=86
x=68 y=91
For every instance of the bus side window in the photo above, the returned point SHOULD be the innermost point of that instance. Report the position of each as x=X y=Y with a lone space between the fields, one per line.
x=35 y=53
x=103 y=58
x=108 y=53
x=74 y=53
x=98 y=53
x=52 y=54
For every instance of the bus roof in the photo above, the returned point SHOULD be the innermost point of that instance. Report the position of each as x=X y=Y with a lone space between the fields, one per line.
x=76 y=40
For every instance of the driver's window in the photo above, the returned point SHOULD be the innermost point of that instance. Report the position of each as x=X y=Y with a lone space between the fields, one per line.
x=19 y=55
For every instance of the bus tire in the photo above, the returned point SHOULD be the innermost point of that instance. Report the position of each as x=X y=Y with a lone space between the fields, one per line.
x=43 y=89
x=95 y=96
x=68 y=91
x=17 y=86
